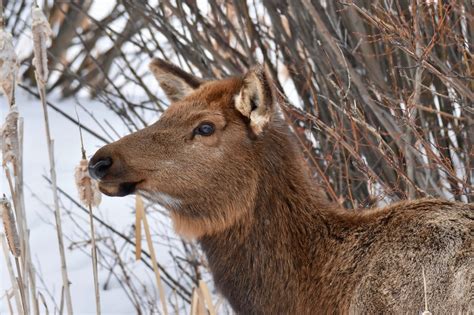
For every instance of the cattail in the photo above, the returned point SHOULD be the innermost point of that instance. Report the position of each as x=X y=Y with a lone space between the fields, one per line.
x=90 y=195
x=8 y=65
x=9 y=226
x=41 y=33
x=87 y=187
x=10 y=145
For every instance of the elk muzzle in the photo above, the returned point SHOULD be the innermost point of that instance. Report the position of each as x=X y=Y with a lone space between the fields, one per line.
x=115 y=179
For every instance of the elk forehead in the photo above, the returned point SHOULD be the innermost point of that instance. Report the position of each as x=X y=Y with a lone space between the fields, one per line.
x=215 y=97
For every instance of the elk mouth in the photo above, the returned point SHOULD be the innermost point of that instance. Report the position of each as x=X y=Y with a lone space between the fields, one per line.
x=115 y=189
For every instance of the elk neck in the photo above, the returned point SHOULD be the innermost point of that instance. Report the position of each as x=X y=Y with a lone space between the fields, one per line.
x=261 y=256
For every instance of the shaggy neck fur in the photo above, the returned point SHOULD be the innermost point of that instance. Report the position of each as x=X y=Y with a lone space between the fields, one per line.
x=260 y=258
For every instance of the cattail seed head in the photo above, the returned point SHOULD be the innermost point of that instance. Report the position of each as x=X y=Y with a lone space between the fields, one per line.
x=8 y=65
x=41 y=34
x=10 y=145
x=9 y=226
x=87 y=187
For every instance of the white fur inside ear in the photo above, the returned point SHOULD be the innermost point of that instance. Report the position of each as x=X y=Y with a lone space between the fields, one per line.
x=259 y=117
x=173 y=86
x=242 y=104
x=258 y=121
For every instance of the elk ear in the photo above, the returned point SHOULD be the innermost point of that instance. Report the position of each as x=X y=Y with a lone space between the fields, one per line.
x=255 y=99
x=174 y=81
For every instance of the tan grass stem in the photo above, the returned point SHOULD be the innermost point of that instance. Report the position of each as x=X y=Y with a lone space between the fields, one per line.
x=207 y=297
x=13 y=279
x=140 y=207
x=41 y=32
x=89 y=195
x=138 y=229
x=425 y=292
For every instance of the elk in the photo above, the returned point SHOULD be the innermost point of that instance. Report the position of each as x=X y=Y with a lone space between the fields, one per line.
x=224 y=163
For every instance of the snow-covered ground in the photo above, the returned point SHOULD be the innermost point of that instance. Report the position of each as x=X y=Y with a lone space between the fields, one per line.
x=116 y=211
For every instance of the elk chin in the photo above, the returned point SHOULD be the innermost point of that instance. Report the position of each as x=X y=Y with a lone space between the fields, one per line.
x=118 y=189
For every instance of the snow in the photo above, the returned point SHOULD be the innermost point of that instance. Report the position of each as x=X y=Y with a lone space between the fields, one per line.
x=43 y=240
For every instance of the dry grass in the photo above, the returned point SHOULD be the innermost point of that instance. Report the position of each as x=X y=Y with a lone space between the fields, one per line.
x=142 y=214
x=22 y=277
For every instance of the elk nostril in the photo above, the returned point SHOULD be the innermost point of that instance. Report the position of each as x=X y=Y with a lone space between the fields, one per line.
x=99 y=168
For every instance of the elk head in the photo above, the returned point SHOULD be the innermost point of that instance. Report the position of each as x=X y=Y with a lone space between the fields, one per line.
x=202 y=158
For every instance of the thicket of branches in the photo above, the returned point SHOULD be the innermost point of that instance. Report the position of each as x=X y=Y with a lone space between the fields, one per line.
x=379 y=93
x=384 y=87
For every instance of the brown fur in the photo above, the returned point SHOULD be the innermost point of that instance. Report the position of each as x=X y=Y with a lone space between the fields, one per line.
x=274 y=244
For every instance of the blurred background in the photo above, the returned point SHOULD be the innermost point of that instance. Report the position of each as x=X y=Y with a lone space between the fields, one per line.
x=380 y=94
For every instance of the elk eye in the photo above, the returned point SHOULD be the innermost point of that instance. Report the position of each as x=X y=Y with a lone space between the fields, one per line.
x=204 y=129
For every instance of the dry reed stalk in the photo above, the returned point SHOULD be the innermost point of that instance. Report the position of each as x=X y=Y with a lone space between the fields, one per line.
x=22 y=286
x=32 y=276
x=201 y=307
x=141 y=208
x=13 y=279
x=10 y=306
x=138 y=228
x=207 y=297
x=13 y=240
x=8 y=65
x=41 y=297
x=194 y=302
x=61 y=303
x=176 y=303
x=426 y=311
x=12 y=138
x=89 y=195
x=41 y=32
